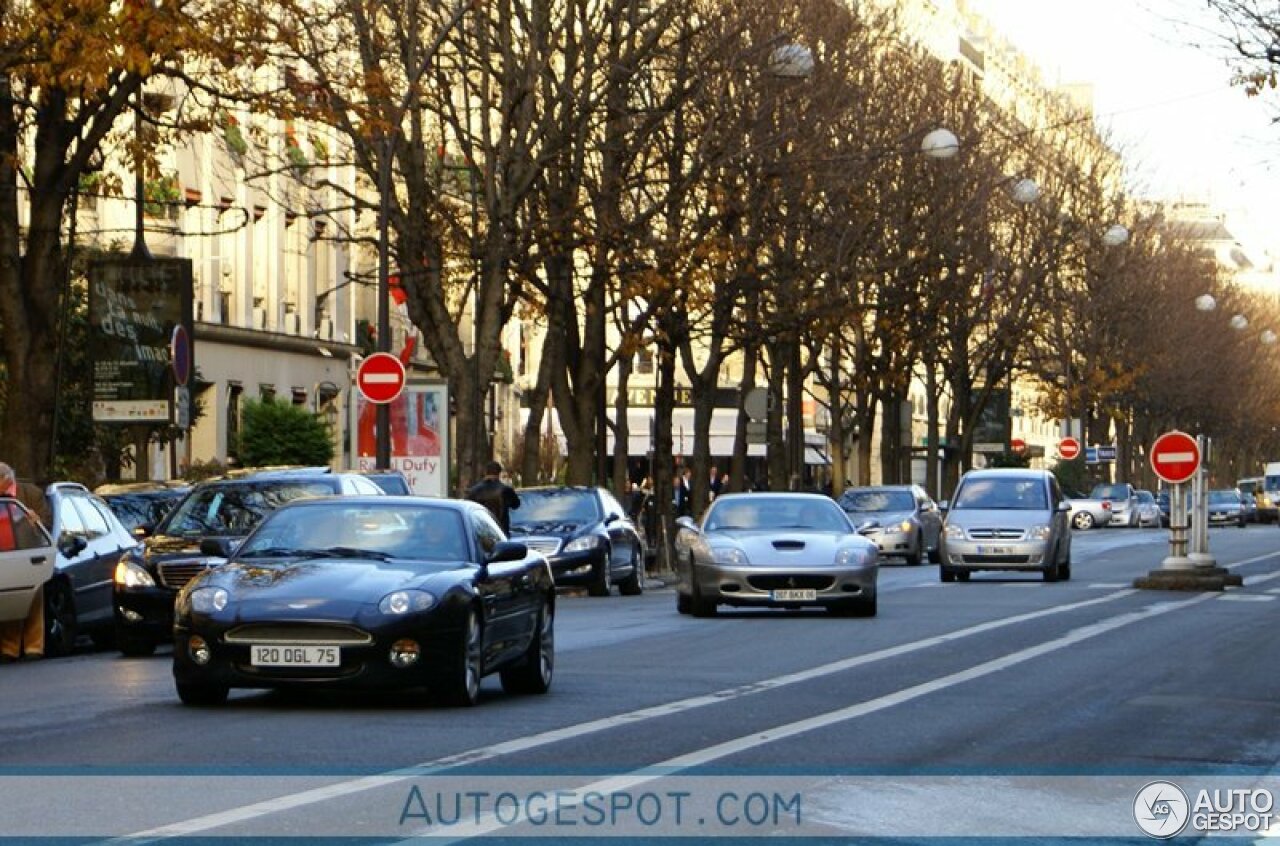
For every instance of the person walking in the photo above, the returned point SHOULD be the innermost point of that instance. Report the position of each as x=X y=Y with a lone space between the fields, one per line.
x=25 y=638
x=495 y=495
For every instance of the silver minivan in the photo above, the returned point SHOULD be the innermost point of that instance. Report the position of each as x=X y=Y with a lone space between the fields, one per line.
x=1007 y=519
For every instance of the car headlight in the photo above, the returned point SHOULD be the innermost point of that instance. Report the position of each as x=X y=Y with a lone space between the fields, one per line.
x=953 y=532
x=1039 y=532
x=731 y=555
x=209 y=599
x=130 y=575
x=906 y=526
x=854 y=556
x=406 y=602
x=582 y=544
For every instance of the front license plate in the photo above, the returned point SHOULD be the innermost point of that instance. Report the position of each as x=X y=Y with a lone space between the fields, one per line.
x=295 y=656
x=794 y=595
x=995 y=550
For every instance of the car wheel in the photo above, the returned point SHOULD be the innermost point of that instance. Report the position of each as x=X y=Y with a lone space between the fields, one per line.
x=603 y=581
x=1082 y=520
x=132 y=646
x=935 y=554
x=1064 y=571
x=633 y=585
x=103 y=638
x=947 y=574
x=533 y=673
x=865 y=607
x=461 y=687
x=963 y=575
x=913 y=559
x=202 y=695
x=684 y=605
x=1051 y=572
x=60 y=627
x=699 y=605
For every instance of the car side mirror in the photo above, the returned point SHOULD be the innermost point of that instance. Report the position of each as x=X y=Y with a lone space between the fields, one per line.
x=1064 y=506
x=686 y=523
x=944 y=506
x=72 y=545
x=507 y=551
x=612 y=518
x=216 y=547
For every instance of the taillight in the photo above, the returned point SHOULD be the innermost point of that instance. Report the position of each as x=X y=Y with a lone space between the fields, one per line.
x=1106 y=505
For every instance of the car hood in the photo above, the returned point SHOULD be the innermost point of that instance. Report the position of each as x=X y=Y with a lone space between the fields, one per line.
x=166 y=549
x=788 y=547
x=337 y=586
x=998 y=518
x=549 y=530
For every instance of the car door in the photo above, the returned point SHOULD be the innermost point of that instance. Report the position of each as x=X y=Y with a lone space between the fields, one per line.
x=26 y=560
x=93 y=602
x=1059 y=521
x=622 y=534
x=507 y=594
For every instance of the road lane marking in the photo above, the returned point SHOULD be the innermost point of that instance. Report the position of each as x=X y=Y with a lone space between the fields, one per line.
x=710 y=754
x=485 y=753
x=1106 y=585
x=1246 y=597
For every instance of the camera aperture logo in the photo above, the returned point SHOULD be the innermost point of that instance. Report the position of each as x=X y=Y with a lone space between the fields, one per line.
x=1161 y=809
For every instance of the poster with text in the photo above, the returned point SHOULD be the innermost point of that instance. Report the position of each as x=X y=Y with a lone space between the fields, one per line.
x=419 y=436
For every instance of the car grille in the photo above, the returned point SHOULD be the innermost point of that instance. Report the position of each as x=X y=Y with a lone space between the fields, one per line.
x=543 y=546
x=801 y=581
x=307 y=633
x=177 y=575
x=997 y=534
x=997 y=559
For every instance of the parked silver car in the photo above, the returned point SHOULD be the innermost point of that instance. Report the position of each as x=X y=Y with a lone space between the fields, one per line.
x=1124 y=502
x=1007 y=519
x=1148 y=510
x=1087 y=513
x=782 y=550
x=902 y=520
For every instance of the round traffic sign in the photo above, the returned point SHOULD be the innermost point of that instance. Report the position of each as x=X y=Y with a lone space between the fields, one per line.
x=1175 y=457
x=380 y=378
x=1068 y=448
x=180 y=355
x=1017 y=445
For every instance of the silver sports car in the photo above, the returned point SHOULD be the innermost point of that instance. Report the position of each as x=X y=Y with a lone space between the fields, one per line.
x=782 y=550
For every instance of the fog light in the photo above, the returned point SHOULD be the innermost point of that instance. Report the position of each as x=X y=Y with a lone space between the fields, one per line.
x=199 y=650
x=130 y=615
x=404 y=653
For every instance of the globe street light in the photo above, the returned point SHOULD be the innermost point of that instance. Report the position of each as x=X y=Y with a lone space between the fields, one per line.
x=1025 y=191
x=1115 y=235
x=1267 y=337
x=1206 y=302
x=940 y=144
x=1239 y=321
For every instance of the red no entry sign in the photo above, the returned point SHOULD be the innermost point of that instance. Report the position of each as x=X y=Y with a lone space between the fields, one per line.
x=1175 y=457
x=1068 y=448
x=380 y=378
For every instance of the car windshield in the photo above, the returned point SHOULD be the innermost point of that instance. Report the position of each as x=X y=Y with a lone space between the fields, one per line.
x=234 y=509
x=763 y=512
x=1018 y=494
x=137 y=509
x=1146 y=497
x=556 y=506
x=1224 y=498
x=341 y=529
x=1110 y=492
x=878 y=501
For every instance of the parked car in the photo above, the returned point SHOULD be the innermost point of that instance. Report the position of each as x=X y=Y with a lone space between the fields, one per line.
x=1266 y=493
x=1124 y=502
x=1226 y=508
x=376 y=592
x=149 y=578
x=1087 y=513
x=90 y=540
x=785 y=550
x=1007 y=519
x=1250 y=503
x=1148 y=510
x=585 y=534
x=141 y=505
x=1162 y=502
x=902 y=520
x=27 y=558
x=392 y=482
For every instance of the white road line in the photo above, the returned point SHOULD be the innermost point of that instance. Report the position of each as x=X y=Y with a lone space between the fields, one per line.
x=1107 y=585
x=1246 y=597
x=700 y=757
x=485 y=753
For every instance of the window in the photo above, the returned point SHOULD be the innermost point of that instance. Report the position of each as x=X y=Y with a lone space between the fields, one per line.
x=267 y=393
x=27 y=533
x=69 y=521
x=94 y=523
x=644 y=362
x=488 y=535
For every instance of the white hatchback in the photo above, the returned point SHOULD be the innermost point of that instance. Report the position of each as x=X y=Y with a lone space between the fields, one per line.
x=26 y=559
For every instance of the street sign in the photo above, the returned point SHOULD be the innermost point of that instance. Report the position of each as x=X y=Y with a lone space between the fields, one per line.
x=756 y=404
x=380 y=378
x=1068 y=448
x=1090 y=455
x=756 y=432
x=1175 y=457
x=1018 y=445
x=1107 y=452
x=180 y=355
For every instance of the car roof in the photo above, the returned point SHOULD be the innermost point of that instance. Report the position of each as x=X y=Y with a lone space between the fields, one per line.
x=908 y=488
x=129 y=488
x=1008 y=472
x=545 y=488
x=384 y=501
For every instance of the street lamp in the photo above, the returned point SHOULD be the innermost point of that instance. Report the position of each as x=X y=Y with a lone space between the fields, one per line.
x=1115 y=235
x=1239 y=322
x=1206 y=302
x=940 y=143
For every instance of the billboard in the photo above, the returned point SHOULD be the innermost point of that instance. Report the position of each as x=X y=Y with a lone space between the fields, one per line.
x=419 y=436
x=135 y=306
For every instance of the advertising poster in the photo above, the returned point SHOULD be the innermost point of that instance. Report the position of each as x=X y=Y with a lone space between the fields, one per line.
x=419 y=436
x=134 y=308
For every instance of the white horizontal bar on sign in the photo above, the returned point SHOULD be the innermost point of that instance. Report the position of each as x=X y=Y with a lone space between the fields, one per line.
x=381 y=379
x=1175 y=457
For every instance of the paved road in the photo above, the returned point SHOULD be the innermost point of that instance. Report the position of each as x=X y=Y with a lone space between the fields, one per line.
x=999 y=706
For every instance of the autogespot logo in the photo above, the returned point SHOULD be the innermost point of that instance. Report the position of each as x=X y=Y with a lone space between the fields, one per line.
x=1161 y=809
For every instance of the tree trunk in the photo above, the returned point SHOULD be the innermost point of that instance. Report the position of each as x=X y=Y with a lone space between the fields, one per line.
x=738 y=465
x=777 y=447
x=663 y=465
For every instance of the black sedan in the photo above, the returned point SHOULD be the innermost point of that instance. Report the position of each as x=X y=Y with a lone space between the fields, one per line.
x=377 y=592
x=585 y=534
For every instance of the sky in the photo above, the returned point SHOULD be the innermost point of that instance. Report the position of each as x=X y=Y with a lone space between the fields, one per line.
x=1169 y=104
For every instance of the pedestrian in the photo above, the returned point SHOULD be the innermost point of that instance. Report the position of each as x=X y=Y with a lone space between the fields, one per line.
x=495 y=495
x=715 y=484
x=684 y=493
x=25 y=638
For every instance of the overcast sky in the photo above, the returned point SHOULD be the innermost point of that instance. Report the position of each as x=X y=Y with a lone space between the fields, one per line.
x=1169 y=103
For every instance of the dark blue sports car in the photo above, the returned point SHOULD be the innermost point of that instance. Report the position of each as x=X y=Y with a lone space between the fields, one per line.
x=376 y=592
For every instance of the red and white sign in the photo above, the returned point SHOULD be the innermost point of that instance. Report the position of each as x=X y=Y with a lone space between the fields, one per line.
x=1018 y=445
x=1175 y=457
x=380 y=378
x=1068 y=448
